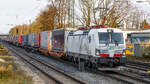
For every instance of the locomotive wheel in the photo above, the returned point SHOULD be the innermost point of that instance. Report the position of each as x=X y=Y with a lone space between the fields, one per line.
x=89 y=64
x=111 y=64
x=81 y=65
x=94 y=66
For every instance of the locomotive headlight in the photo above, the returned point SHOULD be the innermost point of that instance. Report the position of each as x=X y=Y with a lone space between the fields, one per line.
x=124 y=52
x=97 y=52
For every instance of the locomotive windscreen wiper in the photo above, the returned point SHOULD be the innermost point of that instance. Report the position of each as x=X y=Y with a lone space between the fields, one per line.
x=116 y=42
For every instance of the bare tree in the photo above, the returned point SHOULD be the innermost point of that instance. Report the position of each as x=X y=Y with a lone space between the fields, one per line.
x=106 y=12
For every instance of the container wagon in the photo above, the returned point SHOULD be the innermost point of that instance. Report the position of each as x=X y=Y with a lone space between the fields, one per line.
x=59 y=41
x=36 y=41
x=25 y=41
x=30 y=42
x=45 y=43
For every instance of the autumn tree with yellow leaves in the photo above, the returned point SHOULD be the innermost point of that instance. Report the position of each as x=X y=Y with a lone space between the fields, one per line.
x=56 y=15
x=20 y=30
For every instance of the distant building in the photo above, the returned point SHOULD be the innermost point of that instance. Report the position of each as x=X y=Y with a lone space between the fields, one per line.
x=3 y=36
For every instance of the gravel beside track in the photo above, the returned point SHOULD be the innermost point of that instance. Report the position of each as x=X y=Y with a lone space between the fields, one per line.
x=58 y=76
x=29 y=71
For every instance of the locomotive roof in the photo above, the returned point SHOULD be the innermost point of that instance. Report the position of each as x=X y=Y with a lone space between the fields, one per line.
x=79 y=32
x=105 y=29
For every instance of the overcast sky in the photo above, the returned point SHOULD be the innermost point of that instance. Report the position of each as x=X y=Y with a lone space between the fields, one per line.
x=15 y=12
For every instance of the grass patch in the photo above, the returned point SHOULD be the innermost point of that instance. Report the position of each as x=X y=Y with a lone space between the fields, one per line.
x=9 y=71
x=16 y=77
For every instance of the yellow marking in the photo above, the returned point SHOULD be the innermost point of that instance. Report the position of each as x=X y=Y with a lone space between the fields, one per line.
x=148 y=72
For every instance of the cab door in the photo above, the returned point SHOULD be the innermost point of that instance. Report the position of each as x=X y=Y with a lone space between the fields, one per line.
x=91 y=43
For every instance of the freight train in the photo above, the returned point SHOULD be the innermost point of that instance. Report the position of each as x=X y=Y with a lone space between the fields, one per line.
x=99 y=47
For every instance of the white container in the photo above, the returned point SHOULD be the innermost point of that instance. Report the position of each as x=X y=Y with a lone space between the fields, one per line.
x=46 y=39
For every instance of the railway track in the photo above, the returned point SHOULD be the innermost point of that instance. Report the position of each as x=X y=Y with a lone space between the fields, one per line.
x=58 y=76
x=125 y=77
x=138 y=65
x=128 y=79
x=113 y=75
x=133 y=77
